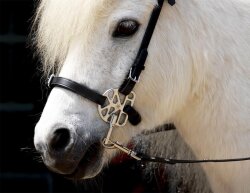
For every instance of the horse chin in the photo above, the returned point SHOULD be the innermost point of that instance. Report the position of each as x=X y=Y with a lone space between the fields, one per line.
x=90 y=165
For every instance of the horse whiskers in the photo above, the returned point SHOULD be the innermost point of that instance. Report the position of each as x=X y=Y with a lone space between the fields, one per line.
x=38 y=159
x=30 y=150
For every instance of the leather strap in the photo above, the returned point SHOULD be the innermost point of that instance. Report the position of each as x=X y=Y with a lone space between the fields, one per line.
x=139 y=64
x=146 y=158
x=134 y=74
x=78 y=89
x=133 y=116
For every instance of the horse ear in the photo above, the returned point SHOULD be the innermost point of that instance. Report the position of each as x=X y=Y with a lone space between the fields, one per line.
x=171 y=2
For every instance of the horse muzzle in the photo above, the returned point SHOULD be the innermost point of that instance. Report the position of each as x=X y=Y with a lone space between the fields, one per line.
x=66 y=153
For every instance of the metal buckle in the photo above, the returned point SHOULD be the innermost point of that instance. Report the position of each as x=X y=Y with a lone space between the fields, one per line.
x=50 y=79
x=135 y=79
x=115 y=104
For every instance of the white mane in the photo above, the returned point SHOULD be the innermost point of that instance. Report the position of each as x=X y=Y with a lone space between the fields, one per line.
x=57 y=21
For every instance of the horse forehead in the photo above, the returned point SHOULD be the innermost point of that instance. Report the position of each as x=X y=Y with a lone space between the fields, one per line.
x=78 y=14
x=59 y=21
x=76 y=7
x=93 y=7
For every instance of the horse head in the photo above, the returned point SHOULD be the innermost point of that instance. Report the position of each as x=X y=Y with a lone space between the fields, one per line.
x=95 y=43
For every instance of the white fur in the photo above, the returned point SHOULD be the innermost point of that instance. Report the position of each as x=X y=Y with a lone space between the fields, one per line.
x=197 y=74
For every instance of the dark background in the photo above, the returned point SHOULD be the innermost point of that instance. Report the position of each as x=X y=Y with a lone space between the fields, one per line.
x=21 y=102
x=20 y=106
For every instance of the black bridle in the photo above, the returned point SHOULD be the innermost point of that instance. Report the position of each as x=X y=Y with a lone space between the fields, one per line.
x=126 y=89
x=132 y=77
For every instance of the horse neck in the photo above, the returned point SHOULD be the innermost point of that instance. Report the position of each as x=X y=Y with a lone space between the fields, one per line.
x=217 y=127
x=215 y=120
x=218 y=110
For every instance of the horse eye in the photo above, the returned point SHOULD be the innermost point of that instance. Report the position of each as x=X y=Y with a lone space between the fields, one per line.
x=126 y=28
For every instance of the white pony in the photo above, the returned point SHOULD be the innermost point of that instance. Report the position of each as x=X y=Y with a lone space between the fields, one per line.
x=197 y=76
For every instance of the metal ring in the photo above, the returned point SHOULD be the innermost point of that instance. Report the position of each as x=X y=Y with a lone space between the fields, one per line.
x=108 y=146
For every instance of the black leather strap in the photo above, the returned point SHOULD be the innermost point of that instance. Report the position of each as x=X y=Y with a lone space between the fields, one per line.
x=78 y=89
x=139 y=64
x=133 y=116
x=146 y=158
x=134 y=74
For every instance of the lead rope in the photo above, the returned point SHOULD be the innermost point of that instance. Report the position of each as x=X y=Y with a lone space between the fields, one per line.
x=110 y=144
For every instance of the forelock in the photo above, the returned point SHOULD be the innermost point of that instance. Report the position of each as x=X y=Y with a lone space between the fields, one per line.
x=55 y=24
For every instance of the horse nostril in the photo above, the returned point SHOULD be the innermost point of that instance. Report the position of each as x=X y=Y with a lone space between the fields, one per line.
x=60 y=139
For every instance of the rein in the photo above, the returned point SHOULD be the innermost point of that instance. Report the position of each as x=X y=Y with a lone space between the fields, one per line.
x=145 y=158
x=115 y=106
